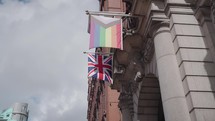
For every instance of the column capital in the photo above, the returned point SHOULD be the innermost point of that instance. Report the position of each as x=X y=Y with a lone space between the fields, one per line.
x=159 y=28
x=155 y=29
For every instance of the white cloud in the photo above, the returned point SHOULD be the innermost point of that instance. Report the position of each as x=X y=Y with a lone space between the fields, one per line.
x=54 y=3
x=41 y=59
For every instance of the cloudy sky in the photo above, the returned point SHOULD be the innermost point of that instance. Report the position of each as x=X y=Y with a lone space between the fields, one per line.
x=41 y=57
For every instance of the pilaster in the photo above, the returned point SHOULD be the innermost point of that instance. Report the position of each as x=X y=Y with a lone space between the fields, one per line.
x=191 y=31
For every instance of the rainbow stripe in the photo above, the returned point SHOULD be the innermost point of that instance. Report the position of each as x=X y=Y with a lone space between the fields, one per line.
x=105 y=32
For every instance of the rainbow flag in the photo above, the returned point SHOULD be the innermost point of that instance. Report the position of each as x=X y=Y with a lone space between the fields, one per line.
x=105 y=32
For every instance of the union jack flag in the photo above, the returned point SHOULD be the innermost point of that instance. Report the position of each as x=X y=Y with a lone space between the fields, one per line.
x=100 y=67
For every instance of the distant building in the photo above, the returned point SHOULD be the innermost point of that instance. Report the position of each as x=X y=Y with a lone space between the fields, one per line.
x=102 y=102
x=18 y=112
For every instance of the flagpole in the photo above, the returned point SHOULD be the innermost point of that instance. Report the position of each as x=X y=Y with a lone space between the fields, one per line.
x=104 y=53
x=108 y=13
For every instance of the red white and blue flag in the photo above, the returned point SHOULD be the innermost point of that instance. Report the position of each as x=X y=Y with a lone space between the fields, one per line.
x=100 y=67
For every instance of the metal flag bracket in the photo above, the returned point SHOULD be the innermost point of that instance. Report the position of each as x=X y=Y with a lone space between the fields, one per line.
x=99 y=53
x=111 y=13
x=130 y=21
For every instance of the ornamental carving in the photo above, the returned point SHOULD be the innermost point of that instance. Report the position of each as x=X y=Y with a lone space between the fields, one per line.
x=133 y=87
x=148 y=51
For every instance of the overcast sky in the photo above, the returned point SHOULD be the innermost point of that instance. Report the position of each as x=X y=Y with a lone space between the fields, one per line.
x=41 y=57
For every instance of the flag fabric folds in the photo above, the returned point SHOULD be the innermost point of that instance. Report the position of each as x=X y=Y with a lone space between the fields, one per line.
x=100 y=67
x=105 y=32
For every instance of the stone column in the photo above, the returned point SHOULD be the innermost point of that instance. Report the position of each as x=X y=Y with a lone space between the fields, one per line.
x=172 y=93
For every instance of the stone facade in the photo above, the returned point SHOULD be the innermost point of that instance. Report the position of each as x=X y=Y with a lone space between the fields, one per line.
x=166 y=71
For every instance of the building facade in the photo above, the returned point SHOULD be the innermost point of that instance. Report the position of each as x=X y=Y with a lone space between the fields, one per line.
x=18 y=112
x=166 y=71
x=102 y=102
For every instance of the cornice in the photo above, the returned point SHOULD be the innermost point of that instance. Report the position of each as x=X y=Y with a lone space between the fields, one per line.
x=147 y=8
x=203 y=14
x=205 y=11
x=178 y=8
x=203 y=2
